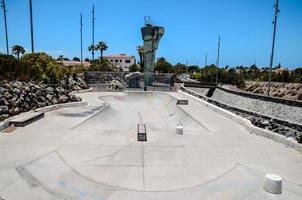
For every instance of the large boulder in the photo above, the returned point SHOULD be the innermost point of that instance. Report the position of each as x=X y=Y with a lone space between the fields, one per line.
x=132 y=79
x=63 y=99
x=115 y=85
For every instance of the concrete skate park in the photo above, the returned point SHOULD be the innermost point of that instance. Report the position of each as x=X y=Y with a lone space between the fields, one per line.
x=92 y=152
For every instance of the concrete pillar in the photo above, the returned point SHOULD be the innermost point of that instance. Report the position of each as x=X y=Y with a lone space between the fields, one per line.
x=273 y=184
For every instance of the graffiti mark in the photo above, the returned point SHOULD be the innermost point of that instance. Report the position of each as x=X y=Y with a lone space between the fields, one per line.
x=79 y=192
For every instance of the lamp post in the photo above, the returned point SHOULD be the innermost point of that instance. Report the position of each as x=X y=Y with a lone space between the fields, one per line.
x=217 y=61
x=31 y=26
x=5 y=24
x=93 y=18
x=273 y=47
x=81 y=33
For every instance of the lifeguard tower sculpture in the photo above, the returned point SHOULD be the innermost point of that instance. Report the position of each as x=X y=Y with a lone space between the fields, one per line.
x=151 y=35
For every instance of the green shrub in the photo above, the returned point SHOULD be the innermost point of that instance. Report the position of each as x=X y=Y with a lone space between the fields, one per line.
x=299 y=138
x=133 y=68
x=105 y=65
x=8 y=66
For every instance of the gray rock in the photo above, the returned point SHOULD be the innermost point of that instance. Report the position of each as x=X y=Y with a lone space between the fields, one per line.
x=3 y=101
x=63 y=99
x=25 y=106
x=49 y=97
x=291 y=133
x=55 y=101
x=39 y=93
x=7 y=95
x=49 y=90
x=4 y=110
x=75 y=98
x=41 y=104
x=16 y=91
x=41 y=99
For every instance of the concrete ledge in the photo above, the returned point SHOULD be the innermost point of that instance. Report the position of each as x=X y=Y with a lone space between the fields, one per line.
x=16 y=119
x=248 y=125
x=4 y=124
x=26 y=119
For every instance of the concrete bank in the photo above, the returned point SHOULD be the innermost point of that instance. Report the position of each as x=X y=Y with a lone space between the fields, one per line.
x=289 y=142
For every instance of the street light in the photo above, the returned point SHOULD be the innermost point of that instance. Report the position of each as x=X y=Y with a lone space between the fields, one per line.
x=5 y=24
x=273 y=47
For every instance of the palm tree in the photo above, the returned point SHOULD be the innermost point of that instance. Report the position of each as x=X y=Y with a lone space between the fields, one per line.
x=60 y=58
x=140 y=51
x=102 y=46
x=92 y=48
x=17 y=50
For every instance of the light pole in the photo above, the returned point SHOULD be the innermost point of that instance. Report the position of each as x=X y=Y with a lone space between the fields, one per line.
x=5 y=24
x=206 y=59
x=31 y=26
x=81 y=32
x=93 y=18
x=217 y=61
x=273 y=47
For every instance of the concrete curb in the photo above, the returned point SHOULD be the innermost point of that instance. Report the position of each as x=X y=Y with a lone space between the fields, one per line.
x=59 y=106
x=248 y=125
x=80 y=91
x=5 y=123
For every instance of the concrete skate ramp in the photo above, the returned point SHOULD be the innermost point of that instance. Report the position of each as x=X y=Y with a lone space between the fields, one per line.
x=92 y=153
x=157 y=110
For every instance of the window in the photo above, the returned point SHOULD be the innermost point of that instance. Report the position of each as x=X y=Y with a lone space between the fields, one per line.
x=111 y=60
x=121 y=61
x=127 y=61
x=116 y=61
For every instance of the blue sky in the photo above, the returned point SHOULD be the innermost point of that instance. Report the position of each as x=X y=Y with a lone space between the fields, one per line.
x=192 y=28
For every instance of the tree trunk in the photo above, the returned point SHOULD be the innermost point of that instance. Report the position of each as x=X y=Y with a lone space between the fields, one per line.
x=101 y=56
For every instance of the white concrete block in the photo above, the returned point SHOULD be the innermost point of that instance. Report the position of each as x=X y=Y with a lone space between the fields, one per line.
x=179 y=129
x=273 y=184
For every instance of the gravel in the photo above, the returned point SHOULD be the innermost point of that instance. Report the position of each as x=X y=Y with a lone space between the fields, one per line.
x=271 y=109
x=202 y=91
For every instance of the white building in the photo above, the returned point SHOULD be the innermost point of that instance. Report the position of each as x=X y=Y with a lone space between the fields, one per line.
x=122 y=61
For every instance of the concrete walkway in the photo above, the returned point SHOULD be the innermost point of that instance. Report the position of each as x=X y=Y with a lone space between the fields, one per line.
x=92 y=152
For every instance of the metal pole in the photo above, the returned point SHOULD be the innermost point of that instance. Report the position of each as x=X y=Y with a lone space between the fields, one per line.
x=273 y=47
x=93 y=31
x=81 y=30
x=31 y=26
x=217 y=62
x=5 y=24
x=206 y=60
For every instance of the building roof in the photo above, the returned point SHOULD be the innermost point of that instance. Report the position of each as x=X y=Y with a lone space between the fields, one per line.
x=119 y=56
x=74 y=63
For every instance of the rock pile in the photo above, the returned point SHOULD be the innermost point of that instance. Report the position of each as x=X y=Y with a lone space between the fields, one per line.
x=17 y=97
x=283 y=90
x=275 y=127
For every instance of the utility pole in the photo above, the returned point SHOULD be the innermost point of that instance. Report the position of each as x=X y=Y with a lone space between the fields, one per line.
x=217 y=61
x=206 y=59
x=273 y=47
x=31 y=26
x=93 y=33
x=5 y=24
x=81 y=31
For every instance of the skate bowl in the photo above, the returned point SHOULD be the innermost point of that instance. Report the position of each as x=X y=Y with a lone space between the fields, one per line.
x=92 y=152
x=159 y=111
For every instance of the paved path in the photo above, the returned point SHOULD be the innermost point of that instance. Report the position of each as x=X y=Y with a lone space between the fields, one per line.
x=91 y=152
